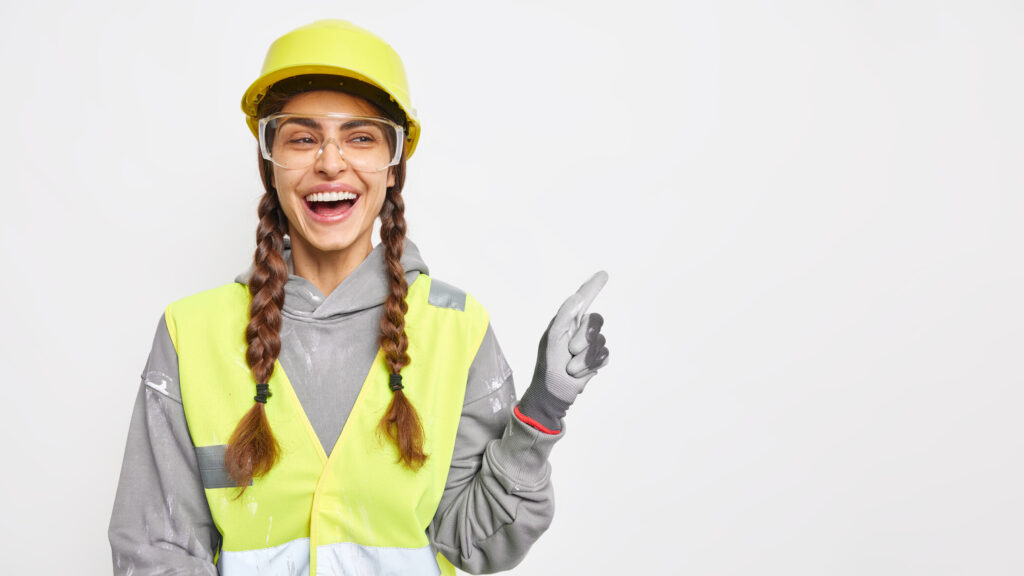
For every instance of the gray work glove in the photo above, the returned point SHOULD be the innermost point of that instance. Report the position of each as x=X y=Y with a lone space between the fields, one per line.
x=571 y=351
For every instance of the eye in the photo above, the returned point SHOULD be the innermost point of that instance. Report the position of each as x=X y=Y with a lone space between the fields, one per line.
x=301 y=140
x=362 y=139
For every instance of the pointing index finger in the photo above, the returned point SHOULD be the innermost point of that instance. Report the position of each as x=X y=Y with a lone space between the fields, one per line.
x=590 y=289
x=567 y=320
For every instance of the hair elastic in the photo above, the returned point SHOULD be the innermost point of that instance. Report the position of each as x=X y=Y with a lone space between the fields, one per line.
x=396 y=382
x=262 y=393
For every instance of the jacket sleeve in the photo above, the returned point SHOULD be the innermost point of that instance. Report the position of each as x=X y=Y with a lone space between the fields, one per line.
x=498 y=498
x=161 y=523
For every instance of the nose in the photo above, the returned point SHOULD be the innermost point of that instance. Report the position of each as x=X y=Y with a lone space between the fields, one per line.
x=327 y=161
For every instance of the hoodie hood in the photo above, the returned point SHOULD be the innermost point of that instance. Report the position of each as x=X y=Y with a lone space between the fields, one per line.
x=366 y=287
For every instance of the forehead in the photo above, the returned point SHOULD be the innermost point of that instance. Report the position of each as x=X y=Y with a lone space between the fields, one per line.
x=326 y=101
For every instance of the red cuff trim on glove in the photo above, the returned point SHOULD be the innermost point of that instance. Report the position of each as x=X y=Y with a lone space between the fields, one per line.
x=534 y=423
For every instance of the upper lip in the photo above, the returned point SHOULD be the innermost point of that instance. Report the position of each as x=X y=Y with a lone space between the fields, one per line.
x=332 y=187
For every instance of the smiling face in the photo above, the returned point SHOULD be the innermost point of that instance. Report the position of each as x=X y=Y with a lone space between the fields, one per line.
x=345 y=224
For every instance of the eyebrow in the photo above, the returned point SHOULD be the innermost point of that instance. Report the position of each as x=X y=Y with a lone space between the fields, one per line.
x=311 y=123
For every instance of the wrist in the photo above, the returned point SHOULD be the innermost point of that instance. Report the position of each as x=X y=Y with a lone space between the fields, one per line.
x=535 y=424
x=543 y=408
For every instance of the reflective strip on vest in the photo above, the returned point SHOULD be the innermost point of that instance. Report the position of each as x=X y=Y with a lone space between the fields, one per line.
x=348 y=558
x=287 y=559
x=344 y=558
x=359 y=509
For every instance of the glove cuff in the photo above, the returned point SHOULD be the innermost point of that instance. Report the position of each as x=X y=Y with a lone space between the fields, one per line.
x=539 y=404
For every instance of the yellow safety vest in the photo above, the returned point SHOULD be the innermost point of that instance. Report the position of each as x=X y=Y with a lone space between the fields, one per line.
x=357 y=511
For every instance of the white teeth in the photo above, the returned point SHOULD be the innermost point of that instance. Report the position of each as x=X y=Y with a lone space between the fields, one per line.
x=330 y=196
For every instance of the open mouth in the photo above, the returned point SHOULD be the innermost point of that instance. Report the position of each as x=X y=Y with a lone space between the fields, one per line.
x=330 y=206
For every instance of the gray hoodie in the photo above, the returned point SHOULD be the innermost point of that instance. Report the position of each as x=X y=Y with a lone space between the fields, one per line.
x=498 y=497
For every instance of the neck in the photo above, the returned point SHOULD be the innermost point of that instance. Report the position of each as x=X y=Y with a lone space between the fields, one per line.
x=327 y=269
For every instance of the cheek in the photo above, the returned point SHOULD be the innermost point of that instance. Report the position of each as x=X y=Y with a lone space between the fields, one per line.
x=378 y=204
x=285 y=186
x=378 y=188
x=286 y=180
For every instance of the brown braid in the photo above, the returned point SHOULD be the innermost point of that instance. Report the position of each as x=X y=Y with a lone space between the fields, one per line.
x=401 y=423
x=253 y=450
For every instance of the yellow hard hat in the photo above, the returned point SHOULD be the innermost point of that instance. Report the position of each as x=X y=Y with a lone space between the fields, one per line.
x=336 y=48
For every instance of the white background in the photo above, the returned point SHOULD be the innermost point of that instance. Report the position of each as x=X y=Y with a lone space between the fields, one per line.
x=811 y=214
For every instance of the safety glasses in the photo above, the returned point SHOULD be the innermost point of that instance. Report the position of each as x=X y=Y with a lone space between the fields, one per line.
x=365 y=143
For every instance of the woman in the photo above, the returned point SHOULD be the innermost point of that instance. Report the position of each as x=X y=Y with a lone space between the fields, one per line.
x=336 y=410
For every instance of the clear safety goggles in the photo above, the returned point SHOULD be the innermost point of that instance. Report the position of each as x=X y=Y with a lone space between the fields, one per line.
x=365 y=143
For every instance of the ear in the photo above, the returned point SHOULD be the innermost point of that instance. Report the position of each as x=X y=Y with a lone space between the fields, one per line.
x=391 y=177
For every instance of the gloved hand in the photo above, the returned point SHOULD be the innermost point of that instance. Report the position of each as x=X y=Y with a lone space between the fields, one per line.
x=571 y=351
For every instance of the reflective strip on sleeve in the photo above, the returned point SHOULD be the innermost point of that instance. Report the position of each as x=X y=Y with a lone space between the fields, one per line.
x=211 y=467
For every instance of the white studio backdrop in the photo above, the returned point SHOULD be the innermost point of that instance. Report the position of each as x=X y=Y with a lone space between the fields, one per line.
x=811 y=214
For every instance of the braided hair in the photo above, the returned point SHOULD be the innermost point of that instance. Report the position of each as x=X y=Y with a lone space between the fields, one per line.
x=252 y=450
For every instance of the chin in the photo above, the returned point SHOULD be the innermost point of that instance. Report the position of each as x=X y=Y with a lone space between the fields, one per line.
x=334 y=246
